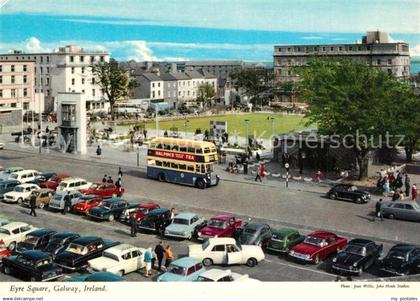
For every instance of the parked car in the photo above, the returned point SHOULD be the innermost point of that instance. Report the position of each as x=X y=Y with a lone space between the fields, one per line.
x=35 y=240
x=59 y=242
x=7 y=186
x=185 y=225
x=19 y=193
x=57 y=202
x=318 y=246
x=95 y=277
x=4 y=251
x=81 y=250
x=43 y=177
x=121 y=259
x=406 y=210
x=402 y=259
x=24 y=176
x=32 y=265
x=86 y=202
x=358 y=256
x=149 y=222
x=349 y=193
x=140 y=211
x=284 y=239
x=183 y=269
x=225 y=250
x=53 y=182
x=1 y=145
x=13 y=233
x=43 y=198
x=217 y=275
x=5 y=174
x=70 y=184
x=110 y=209
x=104 y=190
x=255 y=234
x=220 y=226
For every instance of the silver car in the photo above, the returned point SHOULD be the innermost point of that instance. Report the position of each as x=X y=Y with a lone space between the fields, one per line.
x=407 y=210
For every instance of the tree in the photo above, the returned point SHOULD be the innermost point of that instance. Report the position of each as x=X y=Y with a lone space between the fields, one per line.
x=352 y=101
x=205 y=94
x=114 y=81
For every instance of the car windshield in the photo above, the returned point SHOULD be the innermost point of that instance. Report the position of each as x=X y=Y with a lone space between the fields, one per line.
x=358 y=250
x=205 y=245
x=93 y=186
x=174 y=269
x=416 y=206
x=249 y=231
x=204 y=279
x=278 y=236
x=316 y=241
x=13 y=176
x=217 y=224
x=63 y=185
x=19 y=189
x=107 y=205
x=53 y=179
x=57 y=197
x=32 y=240
x=181 y=221
x=77 y=249
x=92 y=201
x=52 y=245
x=398 y=255
x=111 y=256
x=4 y=231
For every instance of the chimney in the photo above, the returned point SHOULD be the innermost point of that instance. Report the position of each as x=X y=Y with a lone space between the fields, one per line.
x=173 y=68
x=149 y=66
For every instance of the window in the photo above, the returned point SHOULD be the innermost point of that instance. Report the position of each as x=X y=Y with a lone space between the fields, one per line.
x=93 y=80
x=350 y=48
x=26 y=107
x=102 y=59
x=136 y=253
x=92 y=59
x=93 y=92
x=218 y=248
x=83 y=81
x=25 y=68
x=42 y=59
x=1 y=79
x=73 y=81
x=48 y=80
x=153 y=85
x=72 y=70
x=48 y=59
x=25 y=79
x=83 y=91
x=12 y=68
x=359 y=48
x=40 y=69
x=340 y=48
x=190 y=168
x=68 y=112
x=1 y=68
x=332 y=48
x=323 y=48
x=83 y=70
x=12 y=79
x=71 y=59
x=82 y=59
x=389 y=61
x=25 y=92
x=174 y=165
x=1 y=93
x=378 y=62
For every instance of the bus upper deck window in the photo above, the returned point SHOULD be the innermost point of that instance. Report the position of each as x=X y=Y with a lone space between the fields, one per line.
x=209 y=167
x=199 y=150
x=213 y=150
x=174 y=165
x=158 y=163
x=182 y=166
x=183 y=149
x=167 y=146
x=159 y=146
x=206 y=150
x=191 y=150
x=175 y=148
x=153 y=145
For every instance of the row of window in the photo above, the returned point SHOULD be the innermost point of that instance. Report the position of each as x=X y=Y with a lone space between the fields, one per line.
x=14 y=105
x=13 y=68
x=83 y=81
x=13 y=93
x=183 y=149
x=302 y=61
x=12 y=79
x=327 y=48
x=84 y=91
x=82 y=58
x=198 y=168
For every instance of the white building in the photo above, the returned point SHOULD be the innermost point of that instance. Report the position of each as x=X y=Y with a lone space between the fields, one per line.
x=66 y=70
x=150 y=86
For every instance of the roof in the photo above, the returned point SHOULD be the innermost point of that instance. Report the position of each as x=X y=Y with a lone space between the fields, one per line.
x=167 y=77
x=41 y=232
x=120 y=248
x=151 y=77
x=90 y=196
x=285 y=231
x=222 y=240
x=255 y=226
x=24 y=171
x=72 y=179
x=213 y=63
x=85 y=240
x=63 y=235
x=223 y=217
x=14 y=225
x=207 y=74
x=180 y=75
x=114 y=200
x=27 y=185
x=158 y=211
x=360 y=241
x=183 y=142
x=185 y=215
x=186 y=262
x=215 y=274
x=148 y=205
x=322 y=234
x=194 y=74
x=36 y=255
x=404 y=247
x=9 y=181
x=43 y=190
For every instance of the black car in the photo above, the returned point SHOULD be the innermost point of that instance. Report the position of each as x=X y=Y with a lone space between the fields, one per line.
x=402 y=259
x=32 y=265
x=110 y=209
x=358 y=256
x=59 y=242
x=35 y=240
x=349 y=193
x=149 y=222
x=255 y=234
x=43 y=177
x=81 y=250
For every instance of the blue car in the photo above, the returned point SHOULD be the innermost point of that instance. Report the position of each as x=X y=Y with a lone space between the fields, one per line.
x=43 y=177
x=185 y=225
x=183 y=269
x=7 y=186
x=95 y=277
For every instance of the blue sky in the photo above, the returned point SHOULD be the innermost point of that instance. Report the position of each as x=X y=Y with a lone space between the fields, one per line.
x=198 y=29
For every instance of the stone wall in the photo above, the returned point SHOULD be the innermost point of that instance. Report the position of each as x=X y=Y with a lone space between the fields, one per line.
x=10 y=120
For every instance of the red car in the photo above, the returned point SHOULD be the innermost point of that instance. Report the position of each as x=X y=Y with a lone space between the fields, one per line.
x=220 y=226
x=318 y=246
x=4 y=251
x=88 y=202
x=140 y=211
x=104 y=190
x=53 y=182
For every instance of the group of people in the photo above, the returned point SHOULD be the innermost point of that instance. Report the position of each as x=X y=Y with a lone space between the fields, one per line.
x=118 y=183
x=397 y=183
x=158 y=254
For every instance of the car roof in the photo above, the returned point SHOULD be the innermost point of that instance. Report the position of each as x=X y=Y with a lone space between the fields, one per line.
x=148 y=205
x=44 y=190
x=62 y=235
x=28 y=185
x=71 y=179
x=255 y=226
x=115 y=200
x=36 y=255
x=8 y=182
x=41 y=232
x=322 y=234
x=216 y=274
x=120 y=248
x=186 y=262
x=89 y=196
x=222 y=240
x=158 y=211
x=14 y=168
x=286 y=231
x=223 y=217
x=14 y=225
x=403 y=247
x=24 y=171
x=47 y=173
x=185 y=215
x=63 y=193
x=85 y=240
x=360 y=241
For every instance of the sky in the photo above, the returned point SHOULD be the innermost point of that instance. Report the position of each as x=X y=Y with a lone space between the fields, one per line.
x=198 y=29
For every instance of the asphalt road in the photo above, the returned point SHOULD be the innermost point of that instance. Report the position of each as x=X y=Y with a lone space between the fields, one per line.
x=274 y=205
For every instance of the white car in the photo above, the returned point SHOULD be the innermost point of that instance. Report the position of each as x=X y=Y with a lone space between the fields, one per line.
x=70 y=184
x=225 y=250
x=13 y=233
x=217 y=275
x=1 y=145
x=24 y=176
x=19 y=193
x=121 y=259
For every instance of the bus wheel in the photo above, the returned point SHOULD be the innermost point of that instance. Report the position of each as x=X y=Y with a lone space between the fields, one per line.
x=201 y=184
x=161 y=177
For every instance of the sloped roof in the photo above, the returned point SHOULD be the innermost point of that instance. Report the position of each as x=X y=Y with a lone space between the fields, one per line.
x=180 y=75
x=194 y=74
x=151 y=76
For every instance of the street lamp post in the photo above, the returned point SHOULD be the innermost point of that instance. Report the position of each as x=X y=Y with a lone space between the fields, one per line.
x=272 y=126
x=186 y=127
x=157 y=120
x=246 y=127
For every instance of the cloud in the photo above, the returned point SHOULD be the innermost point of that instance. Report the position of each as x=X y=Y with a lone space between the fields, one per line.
x=211 y=46
x=415 y=51
x=33 y=45
x=132 y=50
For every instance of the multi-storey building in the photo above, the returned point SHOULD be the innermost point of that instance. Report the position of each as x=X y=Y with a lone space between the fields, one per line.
x=376 y=50
x=150 y=86
x=66 y=70
x=170 y=89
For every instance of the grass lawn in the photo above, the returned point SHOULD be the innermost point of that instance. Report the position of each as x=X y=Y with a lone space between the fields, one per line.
x=258 y=124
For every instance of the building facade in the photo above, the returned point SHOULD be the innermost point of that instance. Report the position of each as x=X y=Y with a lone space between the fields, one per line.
x=150 y=86
x=376 y=50
x=66 y=70
x=170 y=89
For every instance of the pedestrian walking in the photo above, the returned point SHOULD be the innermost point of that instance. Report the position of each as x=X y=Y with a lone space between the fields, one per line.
x=110 y=181
x=407 y=184
x=168 y=256
x=67 y=203
x=378 y=212
x=145 y=134
x=414 y=192
x=118 y=184
x=386 y=187
x=160 y=253
x=245 y=165
x=32 y=203
x=318 y=176
x=258 y=176
x=99 y=151
x=104 y=179
x=148 y=257
x=133 y=225
x=120 y=173
x=172 y=214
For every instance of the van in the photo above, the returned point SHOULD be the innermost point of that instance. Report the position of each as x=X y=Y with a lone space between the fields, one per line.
x=70 y=184
x=24 y=176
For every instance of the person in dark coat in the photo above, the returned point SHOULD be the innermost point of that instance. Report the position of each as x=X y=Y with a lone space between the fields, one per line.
x=160 y=253
x=378 y=213
x=407 y=185
x=110 y=181
x=133 y=225
x=32 y=203
x=120 y=173
x=396 y=195
x=245 y=164
x=99 y=151
x=104 y=179
x=67 y=203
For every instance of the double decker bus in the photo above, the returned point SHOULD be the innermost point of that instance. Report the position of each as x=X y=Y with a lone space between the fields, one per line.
x=182 y=161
